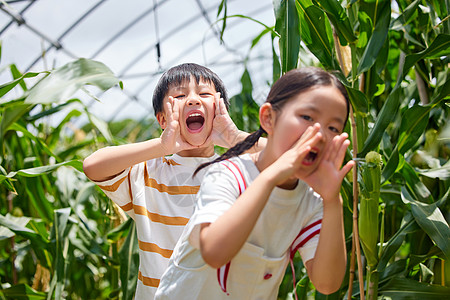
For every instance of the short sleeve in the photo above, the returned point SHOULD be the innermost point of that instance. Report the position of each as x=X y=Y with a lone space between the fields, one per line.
x=218 y=192
x=121 y=188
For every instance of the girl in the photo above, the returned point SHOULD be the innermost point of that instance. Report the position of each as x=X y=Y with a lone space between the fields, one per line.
x=255 y=211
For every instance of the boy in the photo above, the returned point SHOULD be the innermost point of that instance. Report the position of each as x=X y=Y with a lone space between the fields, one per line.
x=159 y=192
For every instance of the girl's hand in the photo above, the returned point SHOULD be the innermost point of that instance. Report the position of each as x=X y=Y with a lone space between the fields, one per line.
x=327 y=178
x=171 y=139
x=286 y=165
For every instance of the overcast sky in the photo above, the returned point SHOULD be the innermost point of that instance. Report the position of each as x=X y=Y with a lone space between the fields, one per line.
x=182 y=27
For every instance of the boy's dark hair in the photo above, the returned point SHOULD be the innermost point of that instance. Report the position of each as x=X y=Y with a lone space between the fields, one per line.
x=287 y=87
x=181 y=73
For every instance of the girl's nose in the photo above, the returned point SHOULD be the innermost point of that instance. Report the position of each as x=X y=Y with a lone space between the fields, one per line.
x=324 y=133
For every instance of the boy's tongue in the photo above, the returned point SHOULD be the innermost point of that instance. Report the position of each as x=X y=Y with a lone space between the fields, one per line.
x=195 y=122
x=195 y=125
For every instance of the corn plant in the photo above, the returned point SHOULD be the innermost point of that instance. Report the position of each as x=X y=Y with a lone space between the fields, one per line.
x=393 y=57
x=60 y=236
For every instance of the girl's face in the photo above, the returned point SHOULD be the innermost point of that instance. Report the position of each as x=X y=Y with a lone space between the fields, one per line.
x=324 y=105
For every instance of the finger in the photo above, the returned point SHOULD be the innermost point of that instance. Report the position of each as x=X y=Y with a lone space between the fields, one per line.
x=223 y=108
x=217 y=103
x=175 y=111
x=335 y=149
x=345 y=169
x=311 y=135
x=168 y=106
x=342 y=145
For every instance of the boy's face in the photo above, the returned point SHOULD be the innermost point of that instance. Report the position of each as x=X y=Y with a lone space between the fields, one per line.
x=196 y=109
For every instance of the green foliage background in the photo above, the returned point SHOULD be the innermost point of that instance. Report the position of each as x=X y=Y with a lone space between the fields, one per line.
x=58 y=232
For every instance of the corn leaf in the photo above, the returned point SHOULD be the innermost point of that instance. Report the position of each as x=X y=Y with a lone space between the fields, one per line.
x=438 y=48
x=338 y=17
x=286 y=26
x=315 y=32
x=63 y=82
x=129 y=258
x=404 y=288
x=380 y=21
x=23 y=291
x=431 y=220
x=36 y=239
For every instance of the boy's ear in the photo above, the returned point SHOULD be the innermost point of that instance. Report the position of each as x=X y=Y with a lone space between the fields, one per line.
x=161 y=117
x=267 y=117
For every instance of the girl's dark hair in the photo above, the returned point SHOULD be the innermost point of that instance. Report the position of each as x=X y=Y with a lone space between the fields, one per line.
x=181 y=73
x=287 y=87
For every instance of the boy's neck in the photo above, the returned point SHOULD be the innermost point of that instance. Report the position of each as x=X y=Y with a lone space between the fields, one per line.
x=198 y=152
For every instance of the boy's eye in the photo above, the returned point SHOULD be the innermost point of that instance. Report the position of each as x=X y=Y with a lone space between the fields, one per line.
x=179 y=96
x=206 y=94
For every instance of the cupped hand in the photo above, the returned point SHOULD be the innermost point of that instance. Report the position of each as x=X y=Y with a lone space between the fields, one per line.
x=224 y=132
x=286 y=166
x=171 y=139
x=327 y=178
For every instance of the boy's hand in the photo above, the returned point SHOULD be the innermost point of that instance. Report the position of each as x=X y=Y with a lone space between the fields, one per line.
x=171 y=139
x=327 y=178
x=224 y=133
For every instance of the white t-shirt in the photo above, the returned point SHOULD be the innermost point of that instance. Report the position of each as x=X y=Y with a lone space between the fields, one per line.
x=290 y=221
x=159 y=195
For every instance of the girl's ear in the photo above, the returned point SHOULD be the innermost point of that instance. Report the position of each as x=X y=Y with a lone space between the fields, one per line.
x=161 y=117
x=267 y=117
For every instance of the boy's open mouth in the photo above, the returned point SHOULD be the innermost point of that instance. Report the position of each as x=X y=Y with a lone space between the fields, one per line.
x=194 y=122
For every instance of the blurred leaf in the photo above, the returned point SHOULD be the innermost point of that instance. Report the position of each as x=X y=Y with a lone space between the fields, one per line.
x=223 y=6
x=11 y=115
x=443 y=173
x=60 y=239
x=316 y=33
x=36 y=239
x=32 y=172
x=6 y=87
x=414 y=122
x=102 y=126
x=405 y=17
x=431 y=220
x=404 y=288
x=129 y=263
x=276 y=67
x=438 y=48
x=120 y=231
x=23 y=292
x=419 y=191
x=287 y=27
x=63 y=82
x=5 y=233
x=409 y=225
x=257 y=38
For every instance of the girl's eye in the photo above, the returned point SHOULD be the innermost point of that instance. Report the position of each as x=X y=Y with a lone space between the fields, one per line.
x=334 y=129
x=307 y=118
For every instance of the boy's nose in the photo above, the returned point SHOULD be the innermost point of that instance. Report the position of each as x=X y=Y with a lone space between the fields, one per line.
x=192 y=101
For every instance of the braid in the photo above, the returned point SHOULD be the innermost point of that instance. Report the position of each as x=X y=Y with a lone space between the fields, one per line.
x=238 y=149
